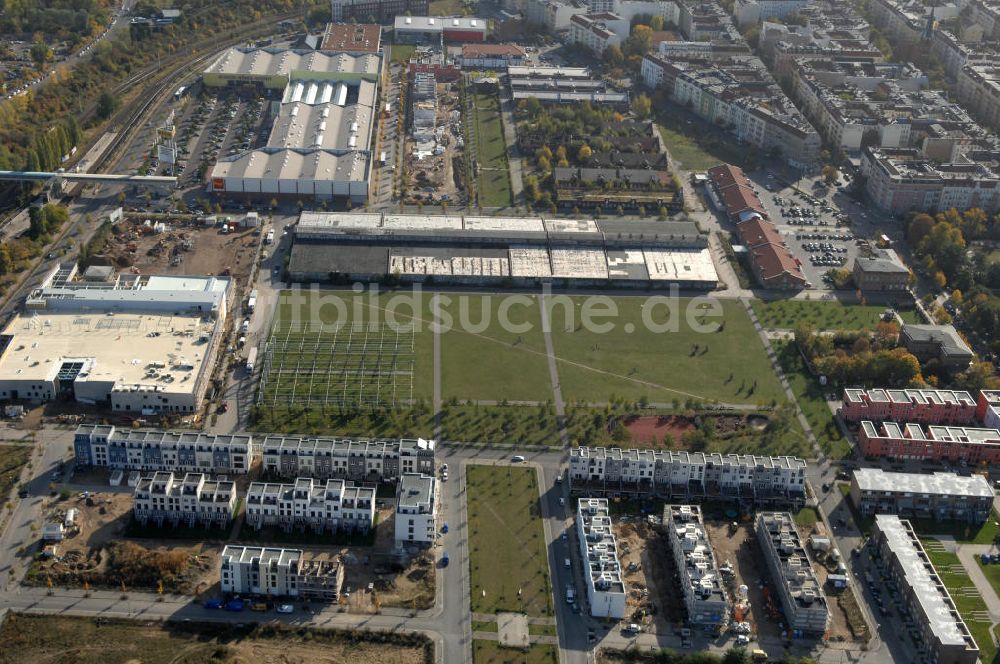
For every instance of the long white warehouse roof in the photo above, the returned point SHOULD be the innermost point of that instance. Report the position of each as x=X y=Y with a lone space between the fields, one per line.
x=275 y=61
x=294 y=164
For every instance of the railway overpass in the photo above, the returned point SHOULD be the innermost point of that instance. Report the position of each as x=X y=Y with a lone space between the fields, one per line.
x=91 y=178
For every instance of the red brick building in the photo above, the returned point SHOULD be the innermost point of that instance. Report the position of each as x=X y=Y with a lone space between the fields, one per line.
x=947 y=443
x=918 y=406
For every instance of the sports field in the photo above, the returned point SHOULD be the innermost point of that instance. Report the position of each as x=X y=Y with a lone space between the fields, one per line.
x=507 y=557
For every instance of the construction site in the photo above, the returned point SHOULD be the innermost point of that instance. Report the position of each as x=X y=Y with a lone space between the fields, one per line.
x=182 y=245
x=434 y=145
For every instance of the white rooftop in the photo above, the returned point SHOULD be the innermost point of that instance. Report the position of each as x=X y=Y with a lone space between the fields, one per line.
x=266 y=62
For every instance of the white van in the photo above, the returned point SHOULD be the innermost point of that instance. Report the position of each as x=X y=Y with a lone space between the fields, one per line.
x=517 y=458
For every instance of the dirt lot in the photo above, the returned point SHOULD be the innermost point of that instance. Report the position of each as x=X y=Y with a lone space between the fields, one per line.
x=663 y=429
x=58 y=640
x=841 y=602
x=645 y=559
x=95 y=551
x=185 y=247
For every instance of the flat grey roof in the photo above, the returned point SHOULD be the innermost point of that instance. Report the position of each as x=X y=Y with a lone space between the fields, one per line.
x=938 y=484
x=317 y=258
x=939 y=609
x=415 y=490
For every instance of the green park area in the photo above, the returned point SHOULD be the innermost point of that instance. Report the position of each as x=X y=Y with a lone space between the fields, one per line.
x=823 y=315
x=967 y=599
x=493 y=180
x=508 y=564
x=812 y=400
x=491 y=652
x=401 y=53
x=693 y=148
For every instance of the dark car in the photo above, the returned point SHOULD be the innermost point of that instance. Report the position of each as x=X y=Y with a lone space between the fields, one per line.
x=23 y=493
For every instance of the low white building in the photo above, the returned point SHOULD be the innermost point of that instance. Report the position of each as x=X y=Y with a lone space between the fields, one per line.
x=416 y=509
x=328 y=506
x=193 y=500
x=277 y=572
x=599 y=551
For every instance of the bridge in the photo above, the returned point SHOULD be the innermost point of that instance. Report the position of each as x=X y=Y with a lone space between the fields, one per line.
x=90 y=178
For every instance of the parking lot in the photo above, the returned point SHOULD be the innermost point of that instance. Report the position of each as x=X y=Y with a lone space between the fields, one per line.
x=813 y=226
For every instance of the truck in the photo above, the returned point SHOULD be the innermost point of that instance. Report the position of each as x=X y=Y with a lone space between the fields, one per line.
x=382 y=157
x=252 y=301
x=269 y=238
x=251 y=359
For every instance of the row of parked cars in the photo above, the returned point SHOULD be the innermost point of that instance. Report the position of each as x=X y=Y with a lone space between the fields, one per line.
x=237 y=604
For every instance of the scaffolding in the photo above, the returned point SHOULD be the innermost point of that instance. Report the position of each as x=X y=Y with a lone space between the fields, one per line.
x=357 y=365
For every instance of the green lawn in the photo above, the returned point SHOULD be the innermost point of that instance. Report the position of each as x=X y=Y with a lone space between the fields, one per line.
x=483 y=361
x=401 y=53
x=446 y=8
x=490 y=652
x=523 y=425
x=960 y=532
x=812 y=401
x=728 y=365
x=824 y=315
x=806 y=517
x=992 y=573
x=542 y=630
x=967 y=599
x=509 y=566
x=491 y=152
x=694 y=148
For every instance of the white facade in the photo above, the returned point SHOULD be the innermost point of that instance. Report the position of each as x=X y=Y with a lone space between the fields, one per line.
x=416 y=509
x=372 y=460
x=598 y=31
x=747 y=12
x=322 y=507
x=193 y=500
x=254 y=570
x=701 y=582
x=599 y=551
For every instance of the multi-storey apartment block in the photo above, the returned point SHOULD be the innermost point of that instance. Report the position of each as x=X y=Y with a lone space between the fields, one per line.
x=919 y=406
x=940 y=496
x=328 y=506
x=701 y=583
x=739 y=95
x=988 y=408
x=274 y=572
x=368 y=460
x=376 y=11
x=791 y=572
x=193 y=500
x=901 y=180
x=687 y=476
x=598 y=31
x=599 y=552
x=171 y=451
x=911 y=441
x=943 y=635
x=416 y=509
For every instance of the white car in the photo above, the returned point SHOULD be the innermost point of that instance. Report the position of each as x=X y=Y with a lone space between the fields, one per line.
x=285 y=608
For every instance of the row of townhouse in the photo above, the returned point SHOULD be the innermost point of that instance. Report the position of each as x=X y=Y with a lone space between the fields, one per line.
x=278 y=572
x=687 y=476
x=606 y=590
x=791 y=571
x=988 y=408
x=171 y=451
x=701 y=583
x=739 y=95
x=194 y=500
x=937 y=442
x=330 y=506
x=919 y=406
x=941 y=633
x=359 y=460
x=939 y=496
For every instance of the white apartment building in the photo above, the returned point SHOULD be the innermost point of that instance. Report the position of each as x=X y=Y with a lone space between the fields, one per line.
x=368 y=460
x=329 y=506
x=277 y=572
x=792 y=573
x=416 y=509
x=689 y=475
x=599 y=551
x=152 y=450
x=598 y=31
x=193 y=500
x=979 y=91
x=749 y=12
x=553 y=15
x=701 y=582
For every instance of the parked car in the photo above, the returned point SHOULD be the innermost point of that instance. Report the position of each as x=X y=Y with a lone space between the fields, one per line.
x=213 y=604
x=234 y=605
x=285 y=608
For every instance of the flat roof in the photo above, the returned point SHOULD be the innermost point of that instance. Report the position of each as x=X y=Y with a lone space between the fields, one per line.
x=352 y=37
x=415 y=490
x=438 y=23
x=117 y=348
x=269 y=61
x=928 y=589
x=325 y=125
x=233 y=553
x=680 y=265
x=322 y=258
x=938 y=484
x=579 y=263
